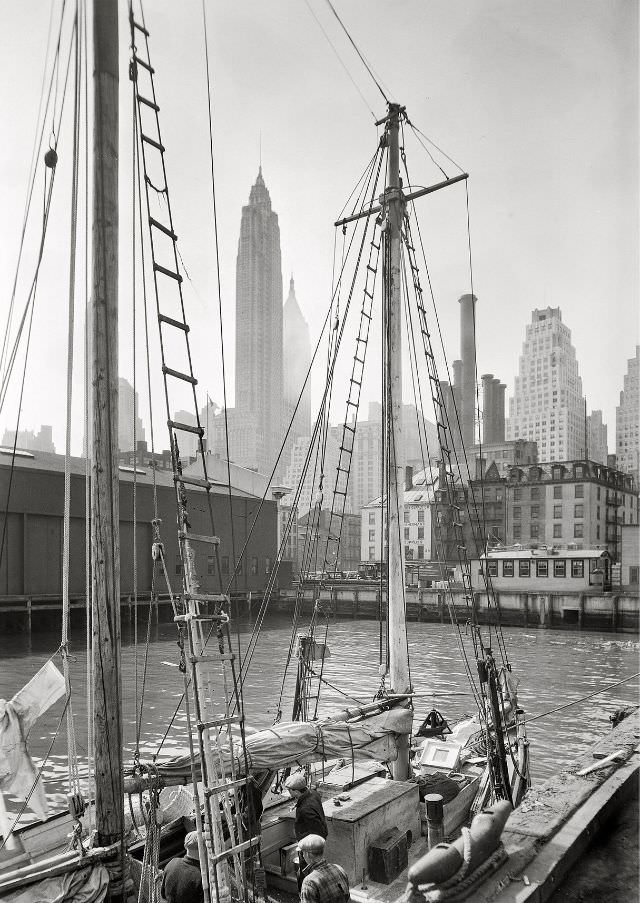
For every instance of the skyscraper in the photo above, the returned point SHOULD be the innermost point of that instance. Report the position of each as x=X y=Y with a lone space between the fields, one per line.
x=127 y=416
x=256 y=424
x=627 y=417
x=297 y=356
x=547 y=404
x=596 y=438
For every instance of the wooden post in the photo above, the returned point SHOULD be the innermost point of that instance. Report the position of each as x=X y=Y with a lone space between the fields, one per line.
x=398 y=659
x=614 y=612
x=525 y=609
x=105 y=541
x=581 y=601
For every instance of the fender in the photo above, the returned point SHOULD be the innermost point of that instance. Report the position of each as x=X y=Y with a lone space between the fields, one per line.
x=444 y=860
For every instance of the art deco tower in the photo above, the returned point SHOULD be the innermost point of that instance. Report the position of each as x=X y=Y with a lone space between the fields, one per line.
x=257 y=424
x=547 y=405
x=627 y=417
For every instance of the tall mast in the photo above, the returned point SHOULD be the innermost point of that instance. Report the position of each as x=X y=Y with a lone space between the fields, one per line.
x=105 y=542
x=398 y=658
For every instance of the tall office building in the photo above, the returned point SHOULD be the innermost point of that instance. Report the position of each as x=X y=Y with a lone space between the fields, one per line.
x=627 y=416
x=30 y=440
x=127 y=416
x=597 y=442
x=297 y=356
x=547 y=405
x=255 y=425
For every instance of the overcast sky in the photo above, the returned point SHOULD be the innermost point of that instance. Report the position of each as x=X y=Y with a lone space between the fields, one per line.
x=537 y=100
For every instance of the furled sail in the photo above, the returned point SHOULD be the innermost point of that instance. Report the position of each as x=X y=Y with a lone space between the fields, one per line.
x=299 y=742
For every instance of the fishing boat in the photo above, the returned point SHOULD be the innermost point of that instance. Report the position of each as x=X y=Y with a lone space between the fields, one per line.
x=369 y=762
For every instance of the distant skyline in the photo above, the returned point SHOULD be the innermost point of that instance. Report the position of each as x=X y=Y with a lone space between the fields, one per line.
x=537 y=101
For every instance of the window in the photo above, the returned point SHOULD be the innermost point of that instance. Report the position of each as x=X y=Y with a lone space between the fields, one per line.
x=420 y=532
x=406 y=532
x=224 y=564
x=557 y=492
x=421 y=516
x=492 y=568
x=178 y=566
x=408 y=552
x=560 y=568
x=507 y=568
x=254 y=565
x=372 y=535
x=535 y=493
x=535 y=511
x=240 y=567
x=578 y=531
x=578 y=510
x=517 y=512
x=372 y=553
x=579 y=490
x=534 y=531
x=267 y=565
x=372 y=517
x=524 y=568
x=577 y=567
x=634 y=575
x=598 y=493
x=542 y=568
x=406 y=517
x=420 y=551
x=211 y=564
x=517 y=531
x=557 y=531
x=517 y=494
x=597 y=530
x=557 y=510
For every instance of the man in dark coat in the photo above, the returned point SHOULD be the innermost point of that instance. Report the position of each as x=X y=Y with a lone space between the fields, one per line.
x=182 y=881
x=309 y=814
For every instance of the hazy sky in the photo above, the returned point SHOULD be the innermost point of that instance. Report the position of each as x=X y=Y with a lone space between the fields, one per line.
x=537 y=100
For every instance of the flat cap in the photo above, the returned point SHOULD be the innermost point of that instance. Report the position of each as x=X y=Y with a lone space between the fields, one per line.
x=296 y=781
x=191 y=840
x=312 y=843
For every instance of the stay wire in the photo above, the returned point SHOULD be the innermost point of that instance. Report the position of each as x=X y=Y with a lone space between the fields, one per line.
x=339 y=58
x=355 y=47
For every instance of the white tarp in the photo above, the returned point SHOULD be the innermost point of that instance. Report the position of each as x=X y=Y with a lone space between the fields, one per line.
x=298 y=742
x=18 y=774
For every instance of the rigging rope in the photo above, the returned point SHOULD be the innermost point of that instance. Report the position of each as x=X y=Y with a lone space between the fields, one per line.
x=355 y=47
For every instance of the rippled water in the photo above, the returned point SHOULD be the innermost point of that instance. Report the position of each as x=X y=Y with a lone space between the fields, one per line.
x=554 y=668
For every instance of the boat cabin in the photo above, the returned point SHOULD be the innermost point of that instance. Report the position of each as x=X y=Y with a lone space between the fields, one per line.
x=546 y=569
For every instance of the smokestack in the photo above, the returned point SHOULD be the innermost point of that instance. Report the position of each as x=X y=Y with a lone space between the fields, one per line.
x=495 y=410
x=457 y=374
x=408 y=478
x=468 y=355
x=488 y=405
x=499 y=390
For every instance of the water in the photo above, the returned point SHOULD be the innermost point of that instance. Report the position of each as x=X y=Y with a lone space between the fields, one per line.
x=553 y=668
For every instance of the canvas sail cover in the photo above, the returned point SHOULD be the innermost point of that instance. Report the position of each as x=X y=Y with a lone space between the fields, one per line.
x=299 y=742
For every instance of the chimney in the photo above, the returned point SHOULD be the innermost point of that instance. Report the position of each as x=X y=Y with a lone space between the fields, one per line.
x=468 y=355
x=499 y=400
x=408 y=478
x=495 y=409
x=488 y=407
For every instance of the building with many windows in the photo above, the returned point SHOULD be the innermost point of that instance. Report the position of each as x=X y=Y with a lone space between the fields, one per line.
x=547 y=405
x=627 y=420
x=579 y=504
x=418 y=496
x=597 y=449
x=130 y=429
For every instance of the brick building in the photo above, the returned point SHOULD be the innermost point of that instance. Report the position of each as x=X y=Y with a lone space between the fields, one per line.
x=581 y=503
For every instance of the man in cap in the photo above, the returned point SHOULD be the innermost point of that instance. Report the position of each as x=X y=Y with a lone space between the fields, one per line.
x=322 y=881
x=309 y=814
x=182 y=881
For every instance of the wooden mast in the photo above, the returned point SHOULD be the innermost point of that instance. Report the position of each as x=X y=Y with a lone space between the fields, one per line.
x=105 y=542
x=398 y=656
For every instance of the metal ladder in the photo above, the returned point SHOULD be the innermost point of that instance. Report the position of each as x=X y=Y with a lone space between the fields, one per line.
x=220 y=734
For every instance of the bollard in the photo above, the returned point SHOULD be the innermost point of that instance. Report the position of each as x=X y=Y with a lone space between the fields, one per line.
x=435 y=819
